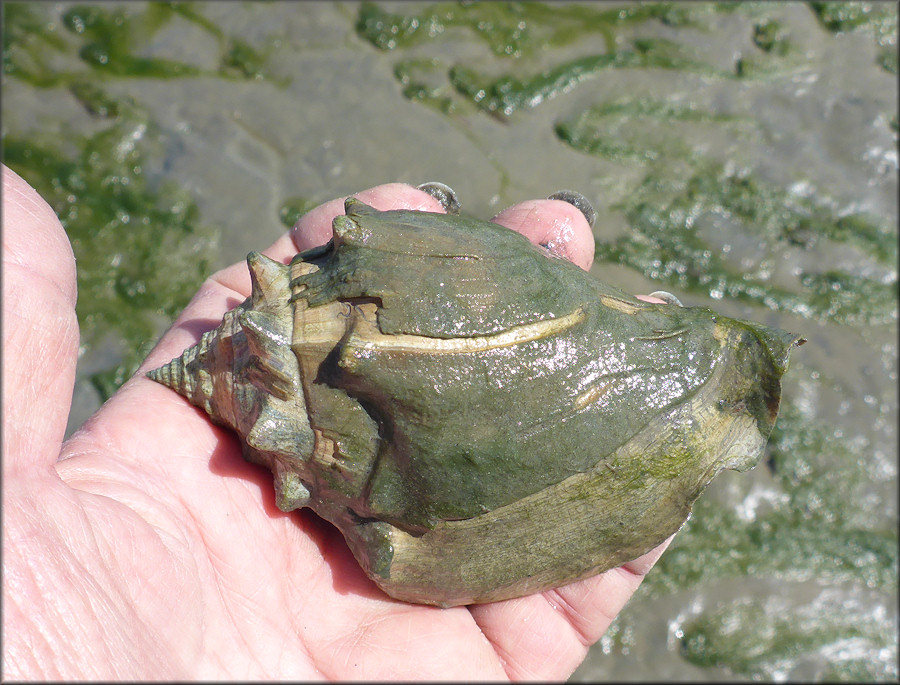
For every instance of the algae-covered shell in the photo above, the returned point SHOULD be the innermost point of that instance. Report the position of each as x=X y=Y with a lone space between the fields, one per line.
x=480 y=419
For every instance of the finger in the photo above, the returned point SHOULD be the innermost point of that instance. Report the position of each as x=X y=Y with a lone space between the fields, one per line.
x=547 y=635
x=650 y=298
x=40 y=329
x=557 y=225
x=560 y=227
x=314 y=228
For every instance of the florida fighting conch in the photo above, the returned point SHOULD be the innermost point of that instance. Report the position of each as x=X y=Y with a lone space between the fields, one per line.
x=480 y=418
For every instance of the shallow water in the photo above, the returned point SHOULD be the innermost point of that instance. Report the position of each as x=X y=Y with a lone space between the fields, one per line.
x=741 y=156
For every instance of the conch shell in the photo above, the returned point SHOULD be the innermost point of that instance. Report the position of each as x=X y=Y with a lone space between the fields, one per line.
x=480 y=419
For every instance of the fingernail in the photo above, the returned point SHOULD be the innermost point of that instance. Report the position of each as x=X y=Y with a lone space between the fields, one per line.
x=577 y=200
x=668 y=298
x=443 y=194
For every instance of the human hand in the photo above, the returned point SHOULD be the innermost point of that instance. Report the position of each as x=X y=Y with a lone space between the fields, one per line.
x=146 y=547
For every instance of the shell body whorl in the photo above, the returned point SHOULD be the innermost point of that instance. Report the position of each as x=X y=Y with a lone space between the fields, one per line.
x=480 y=420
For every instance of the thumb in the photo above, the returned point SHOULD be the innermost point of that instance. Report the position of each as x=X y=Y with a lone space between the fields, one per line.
x=40 y=330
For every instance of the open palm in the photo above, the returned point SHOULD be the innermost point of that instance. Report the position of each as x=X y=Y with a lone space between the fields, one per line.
x=146 y=547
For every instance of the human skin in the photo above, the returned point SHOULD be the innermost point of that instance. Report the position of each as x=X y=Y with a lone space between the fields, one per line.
x=145 y=547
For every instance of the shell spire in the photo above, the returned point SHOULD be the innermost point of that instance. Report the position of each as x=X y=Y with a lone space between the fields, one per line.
x=178 y=373
x=172 y=376
x=246 y=356
x=189 y=373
